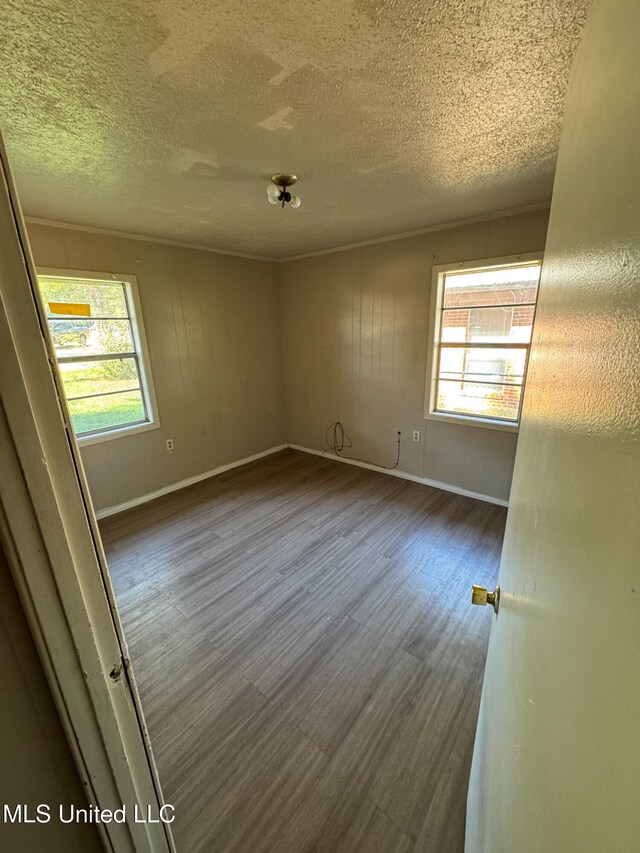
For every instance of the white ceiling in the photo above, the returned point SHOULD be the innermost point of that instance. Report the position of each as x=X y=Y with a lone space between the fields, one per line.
x=166 y=117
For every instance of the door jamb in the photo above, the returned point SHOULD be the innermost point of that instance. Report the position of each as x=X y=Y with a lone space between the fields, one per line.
x=49 y=530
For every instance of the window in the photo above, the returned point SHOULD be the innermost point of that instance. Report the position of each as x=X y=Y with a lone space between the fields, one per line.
x=97 y=333
x=481 y=324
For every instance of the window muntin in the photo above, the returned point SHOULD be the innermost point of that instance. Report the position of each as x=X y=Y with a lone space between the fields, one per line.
x=97 y=339
x=483 y=325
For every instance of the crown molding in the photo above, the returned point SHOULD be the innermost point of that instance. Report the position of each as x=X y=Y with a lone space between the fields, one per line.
x=127 y=235
x=444 y=226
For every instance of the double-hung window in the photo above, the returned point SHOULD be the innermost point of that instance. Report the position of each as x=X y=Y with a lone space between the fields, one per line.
x=481 y=324
x=96 y=328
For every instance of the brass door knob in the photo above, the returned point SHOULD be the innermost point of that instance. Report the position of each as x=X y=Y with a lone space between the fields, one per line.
x=479 y=595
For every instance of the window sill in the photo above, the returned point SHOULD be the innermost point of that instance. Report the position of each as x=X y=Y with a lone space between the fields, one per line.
x=469 y=420
x=116 y=432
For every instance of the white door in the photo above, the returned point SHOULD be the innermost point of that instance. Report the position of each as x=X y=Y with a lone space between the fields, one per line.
x=556 y=766
x=49 y=533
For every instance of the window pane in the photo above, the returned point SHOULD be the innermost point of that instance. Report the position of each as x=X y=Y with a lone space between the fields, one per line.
x=483 y=364
x=474 y=398
x=97 y=413
x=78 y=298
x=487 y=325
x=500 y=286
x=94 y=338
x=99 y=377
x=90 y=337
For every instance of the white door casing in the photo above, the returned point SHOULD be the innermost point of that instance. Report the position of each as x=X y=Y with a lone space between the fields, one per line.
x=49 y=530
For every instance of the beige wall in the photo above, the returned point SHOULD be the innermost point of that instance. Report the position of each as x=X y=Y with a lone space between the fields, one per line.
x=353 y=327
x=355 y=344
x=557 y=759
x=213 y=328
x=35 y=762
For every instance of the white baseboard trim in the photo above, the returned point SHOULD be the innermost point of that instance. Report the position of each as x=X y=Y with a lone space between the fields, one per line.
x=425 y=481
x=189 y=481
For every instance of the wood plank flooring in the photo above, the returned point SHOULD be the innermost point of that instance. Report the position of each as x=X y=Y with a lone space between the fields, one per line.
x=307 y=656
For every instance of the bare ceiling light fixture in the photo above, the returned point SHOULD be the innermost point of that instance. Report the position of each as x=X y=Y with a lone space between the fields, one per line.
x=278 y=191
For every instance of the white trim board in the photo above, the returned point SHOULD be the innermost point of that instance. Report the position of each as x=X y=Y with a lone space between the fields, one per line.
x=402 y=235
x=403 y=475
x=197 y=478
x=182 y=484
x=145 y=238
x=54 y=550
x=429 y=229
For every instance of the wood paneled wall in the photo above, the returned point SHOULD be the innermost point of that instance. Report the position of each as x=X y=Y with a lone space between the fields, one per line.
x=247 y=355
x=355 y=347
x=213 y=327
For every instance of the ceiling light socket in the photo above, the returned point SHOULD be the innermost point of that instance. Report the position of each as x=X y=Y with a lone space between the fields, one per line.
x=278 y=190
x=283 y=179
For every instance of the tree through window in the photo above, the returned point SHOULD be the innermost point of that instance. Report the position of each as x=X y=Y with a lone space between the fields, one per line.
x=97 y=338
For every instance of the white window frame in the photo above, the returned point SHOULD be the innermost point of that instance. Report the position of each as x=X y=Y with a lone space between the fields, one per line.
x=437 y=290
x=141 y=351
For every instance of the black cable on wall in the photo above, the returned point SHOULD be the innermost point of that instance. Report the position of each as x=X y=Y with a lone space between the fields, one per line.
x=337 y=441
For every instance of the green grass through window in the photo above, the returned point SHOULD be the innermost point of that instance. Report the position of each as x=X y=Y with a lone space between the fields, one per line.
x=95 y=413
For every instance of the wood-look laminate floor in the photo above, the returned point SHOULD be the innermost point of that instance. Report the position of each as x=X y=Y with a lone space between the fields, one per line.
x=307 y=656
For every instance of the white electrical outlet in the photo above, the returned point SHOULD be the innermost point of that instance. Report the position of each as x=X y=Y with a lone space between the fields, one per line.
x=416 y=435
x=169 y=444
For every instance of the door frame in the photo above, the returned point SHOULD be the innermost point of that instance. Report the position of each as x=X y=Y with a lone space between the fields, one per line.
x=49 y=530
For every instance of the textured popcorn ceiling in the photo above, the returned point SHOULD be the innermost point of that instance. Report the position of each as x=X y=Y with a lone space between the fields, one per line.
x=166 y=117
